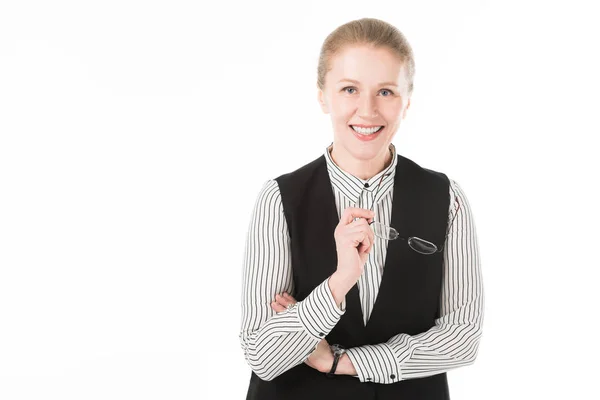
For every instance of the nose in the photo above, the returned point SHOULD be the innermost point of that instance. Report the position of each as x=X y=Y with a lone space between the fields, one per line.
x=366 y=107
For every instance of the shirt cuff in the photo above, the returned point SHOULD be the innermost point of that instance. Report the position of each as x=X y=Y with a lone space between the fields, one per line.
x=374 y=363
x=343 y=304
x=318 y=312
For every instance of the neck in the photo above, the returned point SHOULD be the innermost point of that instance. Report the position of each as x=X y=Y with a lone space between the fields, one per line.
x=363 y=169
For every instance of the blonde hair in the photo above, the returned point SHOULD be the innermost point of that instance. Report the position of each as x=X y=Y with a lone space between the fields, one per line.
x=371 y=32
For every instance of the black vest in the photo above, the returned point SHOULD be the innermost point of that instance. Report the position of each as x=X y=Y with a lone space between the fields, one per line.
x=409 y=295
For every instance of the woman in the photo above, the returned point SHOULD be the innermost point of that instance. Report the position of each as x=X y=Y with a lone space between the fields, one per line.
x=362 y=276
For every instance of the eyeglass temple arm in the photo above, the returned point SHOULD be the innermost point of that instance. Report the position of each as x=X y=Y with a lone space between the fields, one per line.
x=449 y=226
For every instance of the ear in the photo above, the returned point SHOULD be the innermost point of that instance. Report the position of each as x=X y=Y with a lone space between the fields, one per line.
x=322 y=102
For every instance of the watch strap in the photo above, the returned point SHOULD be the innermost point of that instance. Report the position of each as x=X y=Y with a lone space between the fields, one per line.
x=337 y=354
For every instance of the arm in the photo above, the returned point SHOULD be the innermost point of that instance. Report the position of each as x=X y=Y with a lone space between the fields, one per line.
x=275 y=342
x=454 y=340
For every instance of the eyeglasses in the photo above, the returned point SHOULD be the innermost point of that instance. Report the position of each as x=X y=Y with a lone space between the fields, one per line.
x=387 y=232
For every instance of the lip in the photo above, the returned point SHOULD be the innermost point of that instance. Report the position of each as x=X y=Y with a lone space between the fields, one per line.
x=364 y=138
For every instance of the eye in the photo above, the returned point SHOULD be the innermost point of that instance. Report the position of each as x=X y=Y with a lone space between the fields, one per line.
x=352 y=88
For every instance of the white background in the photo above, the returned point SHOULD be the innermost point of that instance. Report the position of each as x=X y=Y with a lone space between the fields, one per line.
x=135 y=136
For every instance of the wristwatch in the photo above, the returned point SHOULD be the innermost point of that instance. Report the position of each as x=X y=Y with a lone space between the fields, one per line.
x=337 y=351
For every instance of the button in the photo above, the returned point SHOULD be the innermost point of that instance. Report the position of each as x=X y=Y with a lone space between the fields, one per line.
x=368 y=379
x=393 y=376
x=367 y=185
x=321 y=334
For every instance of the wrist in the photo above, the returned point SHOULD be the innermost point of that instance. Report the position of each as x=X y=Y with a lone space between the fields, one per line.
x=340 y=286
x=337 y=352
x=345 y=366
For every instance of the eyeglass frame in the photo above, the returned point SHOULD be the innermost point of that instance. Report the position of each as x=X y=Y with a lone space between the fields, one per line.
x=410 y=238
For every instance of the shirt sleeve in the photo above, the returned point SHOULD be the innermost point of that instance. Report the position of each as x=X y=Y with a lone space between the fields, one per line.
x=275 y=342
x=454 y=340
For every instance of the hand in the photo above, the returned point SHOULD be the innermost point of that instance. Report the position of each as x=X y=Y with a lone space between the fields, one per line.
x=282 y=301
x=354 y=241
x=321 y=358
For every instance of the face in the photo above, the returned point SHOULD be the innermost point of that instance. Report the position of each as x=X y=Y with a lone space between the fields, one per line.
x=365 y=87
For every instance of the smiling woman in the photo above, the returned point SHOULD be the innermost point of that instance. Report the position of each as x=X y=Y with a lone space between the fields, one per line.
x=329 y=309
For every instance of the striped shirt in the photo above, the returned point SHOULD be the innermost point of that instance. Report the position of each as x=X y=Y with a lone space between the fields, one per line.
x=275 y=342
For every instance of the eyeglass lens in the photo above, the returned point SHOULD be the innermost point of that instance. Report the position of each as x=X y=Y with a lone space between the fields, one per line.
x=421 y=246
x=417 y=244
x=386 y=232
x=383 y=231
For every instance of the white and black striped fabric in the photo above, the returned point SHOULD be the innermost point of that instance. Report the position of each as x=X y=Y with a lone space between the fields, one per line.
x=275 y=342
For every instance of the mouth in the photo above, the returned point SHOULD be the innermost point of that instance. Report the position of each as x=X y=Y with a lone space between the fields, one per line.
x=366 y=134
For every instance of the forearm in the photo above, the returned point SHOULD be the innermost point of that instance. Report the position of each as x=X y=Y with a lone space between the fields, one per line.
x=288 y=338
x=270 y=355
x=345 y=366
x=275 y=342
x=443 y=347
x=446 y=346
x=454 y=339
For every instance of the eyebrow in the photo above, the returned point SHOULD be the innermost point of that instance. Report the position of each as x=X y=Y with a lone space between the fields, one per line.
x=358 y=83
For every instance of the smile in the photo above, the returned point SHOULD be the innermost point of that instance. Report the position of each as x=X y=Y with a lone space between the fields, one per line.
x=367 y=134
x=366 y=131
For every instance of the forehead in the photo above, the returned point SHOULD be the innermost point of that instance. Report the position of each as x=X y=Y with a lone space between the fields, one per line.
x=367 y=65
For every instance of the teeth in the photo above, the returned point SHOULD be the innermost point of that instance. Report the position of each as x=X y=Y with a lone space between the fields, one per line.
x=366 y=131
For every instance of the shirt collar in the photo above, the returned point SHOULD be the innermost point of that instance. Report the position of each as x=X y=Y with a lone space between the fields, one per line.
x=351 y=186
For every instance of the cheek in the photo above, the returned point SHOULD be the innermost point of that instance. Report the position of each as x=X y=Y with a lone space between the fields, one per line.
x=392 y=108
x=343 y=113
x=342 y=104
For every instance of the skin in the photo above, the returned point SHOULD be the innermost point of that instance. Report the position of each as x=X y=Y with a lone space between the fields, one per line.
x=365 y=102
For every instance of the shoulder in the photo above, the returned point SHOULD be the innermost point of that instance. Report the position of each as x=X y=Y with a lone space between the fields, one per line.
x=458 y=199
x=437 y=178
x=270 y=194
x=458 y=191
x=304 y=172
x=423 y=172
x=297 y=184
x=269 y=197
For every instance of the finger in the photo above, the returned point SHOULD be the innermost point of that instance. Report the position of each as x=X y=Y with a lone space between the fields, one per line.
x=360 y=225
x=277 y=307
x=359 y=233
x=370 y=238
x=288 y=297
x=364 y=245
x=371 y=234
x=358 y=222
x=353 y=212
x=356 y=238
x=282 y=300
